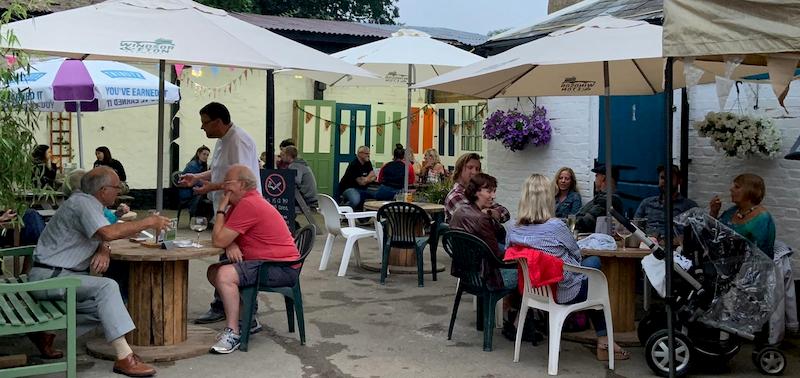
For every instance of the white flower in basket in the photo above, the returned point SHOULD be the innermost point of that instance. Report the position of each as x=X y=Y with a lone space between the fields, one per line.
x=741 y=136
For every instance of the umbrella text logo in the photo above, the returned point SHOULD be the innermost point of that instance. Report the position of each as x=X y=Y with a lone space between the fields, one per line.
x=395 y=77
x=33 y=76
x=571 y=84
x=122 y=74
x=158 y=47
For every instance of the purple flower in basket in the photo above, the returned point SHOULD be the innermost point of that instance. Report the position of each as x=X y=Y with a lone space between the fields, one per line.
x=516 y=130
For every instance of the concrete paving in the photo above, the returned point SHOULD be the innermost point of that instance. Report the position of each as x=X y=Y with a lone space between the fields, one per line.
x=356 y=327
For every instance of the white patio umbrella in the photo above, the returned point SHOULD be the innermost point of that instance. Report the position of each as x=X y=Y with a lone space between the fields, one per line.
x=93 y=85
x=169 y=32
x=604 y=56
x=405 y=58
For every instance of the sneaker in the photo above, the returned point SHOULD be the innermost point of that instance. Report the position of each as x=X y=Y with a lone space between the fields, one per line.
x=255 y=326
x=226 y=343
x=211 y=316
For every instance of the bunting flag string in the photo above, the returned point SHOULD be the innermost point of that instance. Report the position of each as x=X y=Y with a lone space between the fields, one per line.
x=212 y=91
x=397 y=123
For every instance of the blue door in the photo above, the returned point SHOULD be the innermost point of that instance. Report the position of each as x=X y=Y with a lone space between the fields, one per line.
x=637 y=142
x=352 y=130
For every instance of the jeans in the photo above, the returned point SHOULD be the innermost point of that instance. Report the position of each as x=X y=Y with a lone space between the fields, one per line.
x=596 y=316
x=355 y=197
x=386 y=193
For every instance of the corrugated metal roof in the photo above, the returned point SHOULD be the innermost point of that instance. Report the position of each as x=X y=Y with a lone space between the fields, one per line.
x=467 y=38
x=355 y=28
x=585 y=11
x=311 y=25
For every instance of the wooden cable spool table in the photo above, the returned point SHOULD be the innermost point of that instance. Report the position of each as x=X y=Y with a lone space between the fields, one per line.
x=158 y=293
x=620 y=268
x=404 y=261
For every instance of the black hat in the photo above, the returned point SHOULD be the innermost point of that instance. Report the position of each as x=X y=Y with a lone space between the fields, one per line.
x=601 y=169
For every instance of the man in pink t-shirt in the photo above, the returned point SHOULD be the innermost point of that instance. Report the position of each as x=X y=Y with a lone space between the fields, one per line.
x=250 y=230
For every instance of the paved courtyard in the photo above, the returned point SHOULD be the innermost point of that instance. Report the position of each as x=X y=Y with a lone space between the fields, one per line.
x=357 y=328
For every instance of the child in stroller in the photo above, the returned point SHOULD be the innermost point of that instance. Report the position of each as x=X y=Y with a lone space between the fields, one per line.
x=725 y=297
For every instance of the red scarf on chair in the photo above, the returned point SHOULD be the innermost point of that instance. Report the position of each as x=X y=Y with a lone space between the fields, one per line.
x=543 y=268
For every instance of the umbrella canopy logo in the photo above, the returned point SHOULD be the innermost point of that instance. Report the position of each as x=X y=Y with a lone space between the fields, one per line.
x=395 y=77
x=33 y=76
x=121 y=74
x=157 y=47
x=571 y=84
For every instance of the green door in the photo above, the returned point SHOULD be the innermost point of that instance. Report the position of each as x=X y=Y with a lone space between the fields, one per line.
x=314 y=126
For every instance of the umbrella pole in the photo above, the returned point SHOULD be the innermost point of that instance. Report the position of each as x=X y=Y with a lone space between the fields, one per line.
x=80 y=136
x=668 y=214
x=160 y=150
x=408 y=128
x=609 y=177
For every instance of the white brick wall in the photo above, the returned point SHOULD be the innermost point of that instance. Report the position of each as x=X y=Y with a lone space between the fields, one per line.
x=574 y=144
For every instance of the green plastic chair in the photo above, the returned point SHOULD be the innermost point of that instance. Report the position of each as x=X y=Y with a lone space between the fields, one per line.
x=400 y=222
x=292 y=296
x=21 y=314
x=472 y=258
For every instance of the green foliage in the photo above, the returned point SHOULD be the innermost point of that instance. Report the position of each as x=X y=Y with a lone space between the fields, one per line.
x=371 y=11
x=18 y=120
x=436 y=193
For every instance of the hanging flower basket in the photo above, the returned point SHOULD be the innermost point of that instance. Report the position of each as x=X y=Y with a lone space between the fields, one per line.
x=516 y=130
x=741 y=136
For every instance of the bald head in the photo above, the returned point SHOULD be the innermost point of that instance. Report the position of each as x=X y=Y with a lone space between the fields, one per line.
x=94 y=180
x=241 y=173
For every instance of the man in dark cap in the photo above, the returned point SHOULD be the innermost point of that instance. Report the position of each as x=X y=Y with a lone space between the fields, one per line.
x=586 y=218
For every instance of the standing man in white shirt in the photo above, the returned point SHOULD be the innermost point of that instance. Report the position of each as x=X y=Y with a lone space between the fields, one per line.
x=234 y=146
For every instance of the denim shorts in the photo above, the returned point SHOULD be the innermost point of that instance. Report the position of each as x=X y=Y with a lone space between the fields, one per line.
x=278 y=276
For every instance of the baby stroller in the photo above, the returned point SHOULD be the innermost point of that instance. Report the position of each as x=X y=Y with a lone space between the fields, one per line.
x=723 y=295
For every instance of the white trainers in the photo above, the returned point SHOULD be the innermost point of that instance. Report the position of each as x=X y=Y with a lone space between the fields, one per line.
x=227 y=342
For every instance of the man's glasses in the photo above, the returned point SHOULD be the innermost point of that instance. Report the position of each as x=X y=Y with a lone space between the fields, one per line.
x=117 y=187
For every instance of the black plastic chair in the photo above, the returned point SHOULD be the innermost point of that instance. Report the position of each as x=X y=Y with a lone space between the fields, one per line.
x=293 y=297
x=401 y=223
x=472 y=258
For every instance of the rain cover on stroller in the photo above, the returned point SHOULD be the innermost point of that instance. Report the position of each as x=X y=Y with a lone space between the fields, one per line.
x=747 y=287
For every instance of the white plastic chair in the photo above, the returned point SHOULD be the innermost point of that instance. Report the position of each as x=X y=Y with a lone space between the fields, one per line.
x=541 y=298
x=333 y=214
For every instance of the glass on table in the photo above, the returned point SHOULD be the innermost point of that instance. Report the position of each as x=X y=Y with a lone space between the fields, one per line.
x=198 y=225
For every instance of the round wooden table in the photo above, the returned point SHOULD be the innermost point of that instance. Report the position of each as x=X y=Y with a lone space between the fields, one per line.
x=158 y=292
x=620 y=268
x=404 y=261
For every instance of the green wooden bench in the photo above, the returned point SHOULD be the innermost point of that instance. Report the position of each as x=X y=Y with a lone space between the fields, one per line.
x=20 y=314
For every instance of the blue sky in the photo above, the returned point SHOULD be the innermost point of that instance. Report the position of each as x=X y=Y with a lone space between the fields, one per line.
x=477 y=16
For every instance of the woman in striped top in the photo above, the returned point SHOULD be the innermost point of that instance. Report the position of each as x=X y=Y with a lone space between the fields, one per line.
x=537 y=227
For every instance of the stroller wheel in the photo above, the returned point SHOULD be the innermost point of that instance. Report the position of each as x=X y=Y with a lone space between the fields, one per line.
x=657 y=353
x=770 y=361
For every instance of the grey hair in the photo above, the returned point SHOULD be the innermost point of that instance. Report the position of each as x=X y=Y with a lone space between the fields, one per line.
x=96 y=179
x=73 y=183
x=246 y=176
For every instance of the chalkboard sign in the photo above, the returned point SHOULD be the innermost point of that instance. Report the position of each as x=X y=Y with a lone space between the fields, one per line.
x=278 y=188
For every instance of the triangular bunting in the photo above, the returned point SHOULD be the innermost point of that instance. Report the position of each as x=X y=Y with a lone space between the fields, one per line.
x=327 y=125
x=309 y=116
x=342 y=128
x=379 y=129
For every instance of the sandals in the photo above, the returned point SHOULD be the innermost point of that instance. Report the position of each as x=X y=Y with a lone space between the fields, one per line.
x=602 y=353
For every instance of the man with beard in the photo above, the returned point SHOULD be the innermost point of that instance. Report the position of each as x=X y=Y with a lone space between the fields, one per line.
x=652 y=208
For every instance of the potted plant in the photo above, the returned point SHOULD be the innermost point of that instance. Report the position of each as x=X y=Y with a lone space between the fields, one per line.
x=18 y=123
x=436 y=192
x=742 y=136
x=516 y=130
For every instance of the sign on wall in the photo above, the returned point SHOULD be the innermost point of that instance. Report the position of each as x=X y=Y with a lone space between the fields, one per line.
x=278 y=189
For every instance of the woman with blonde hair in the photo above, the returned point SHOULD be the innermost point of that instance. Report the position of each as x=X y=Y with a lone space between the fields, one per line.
x=538 y=228
x=565 y=187
x=748 y=217
x=432 y=170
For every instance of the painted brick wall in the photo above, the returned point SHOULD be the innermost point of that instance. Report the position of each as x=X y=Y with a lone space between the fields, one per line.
x=711 y=172
x=574 y=144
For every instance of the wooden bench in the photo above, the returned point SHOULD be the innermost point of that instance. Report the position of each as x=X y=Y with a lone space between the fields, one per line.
x=21 y=313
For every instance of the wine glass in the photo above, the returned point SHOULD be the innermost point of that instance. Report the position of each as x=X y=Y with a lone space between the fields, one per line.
x=623 y=232
x=198 y=224
x=571 y=221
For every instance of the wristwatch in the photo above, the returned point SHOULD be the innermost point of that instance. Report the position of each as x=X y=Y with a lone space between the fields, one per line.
x=220 y=212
